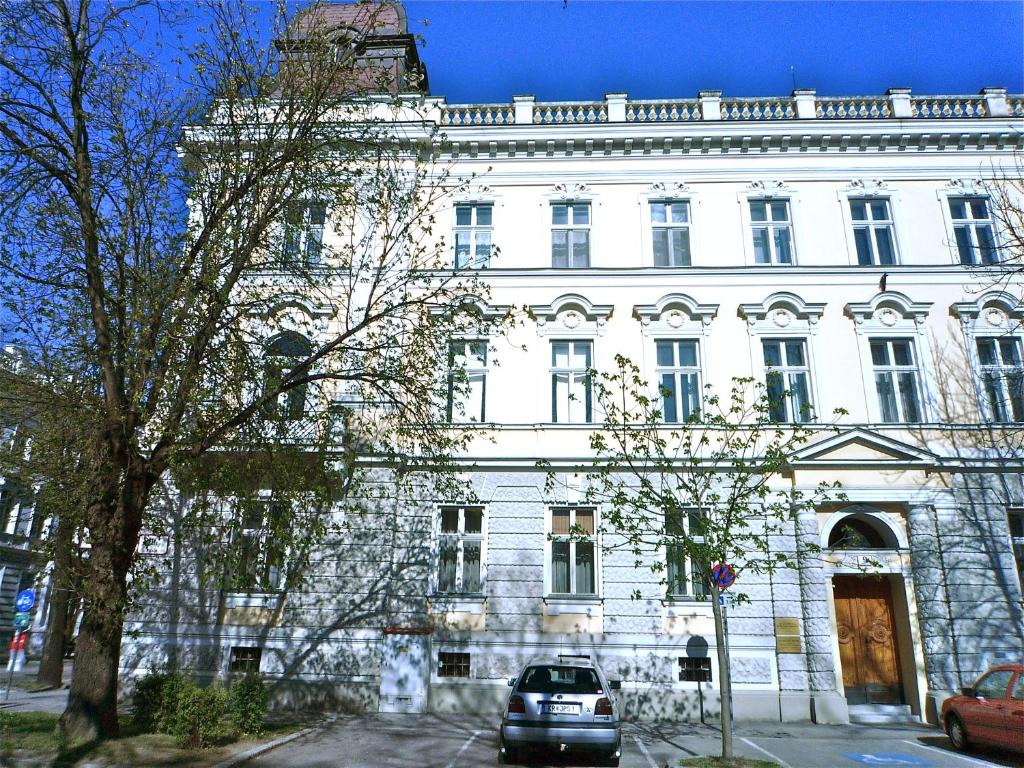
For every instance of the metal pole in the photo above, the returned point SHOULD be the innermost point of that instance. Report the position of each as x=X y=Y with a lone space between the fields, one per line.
x=725 y=631
x=10 y=675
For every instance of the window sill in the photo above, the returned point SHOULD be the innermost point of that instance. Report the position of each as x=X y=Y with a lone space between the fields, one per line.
x=679 y=607
x=558 y=604
x=269 y=600
x=465 y=603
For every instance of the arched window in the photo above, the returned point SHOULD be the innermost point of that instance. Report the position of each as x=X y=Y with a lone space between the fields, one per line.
x=283 y=352
x=855 y=533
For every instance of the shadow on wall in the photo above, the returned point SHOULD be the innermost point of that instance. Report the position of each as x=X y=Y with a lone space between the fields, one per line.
x=980 y=589
x=318 y=644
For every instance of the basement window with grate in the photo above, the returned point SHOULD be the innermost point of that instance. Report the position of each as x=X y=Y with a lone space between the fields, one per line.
x=694 y=670
x=452 y=664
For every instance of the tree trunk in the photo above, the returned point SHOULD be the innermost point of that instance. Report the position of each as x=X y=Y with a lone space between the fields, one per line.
x=724 y=672
x=51 y=665
x=91 y=711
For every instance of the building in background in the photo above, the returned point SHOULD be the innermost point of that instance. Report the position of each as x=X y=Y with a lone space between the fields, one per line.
x=846 y=245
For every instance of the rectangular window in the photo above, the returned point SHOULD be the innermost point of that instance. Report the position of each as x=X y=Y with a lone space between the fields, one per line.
x=670 y=232
x=451 y=664
x=896 y=380
x=572 y=551
x=973 y=231
x=304 y=233
x=473 y=227
x=570 y=382
x=461 y=551
x=694 y=669
x=570 y=235
x=873 y=231
x=1016 y=520
x=683 y=576
x=258 y=556
x=678 y=375
x=772 y=231
x=245 y=659
x=787 y=380
x=1002 y=377
x=467 y=381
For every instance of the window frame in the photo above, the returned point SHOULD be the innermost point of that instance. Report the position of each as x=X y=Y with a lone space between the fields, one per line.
x=872 y=226
x=569 y=227
x=988 y=408
x=690 y=591
x=461 y=538
x=676 y=370
x=786 y=370
x=670 y=227
x=263 y=535
x=771 y=226
x=968 y=190
x=472 y=230
x=572 y=373
x=892 y=368
x=1016 y=536
x=470 y=371
x=468 y=664
x=302 y=231
x=573 y=540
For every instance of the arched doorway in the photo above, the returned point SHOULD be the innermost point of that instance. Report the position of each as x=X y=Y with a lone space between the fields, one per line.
x=866 y=617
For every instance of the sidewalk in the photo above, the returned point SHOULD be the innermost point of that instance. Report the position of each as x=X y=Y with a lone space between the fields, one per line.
x=21 y=700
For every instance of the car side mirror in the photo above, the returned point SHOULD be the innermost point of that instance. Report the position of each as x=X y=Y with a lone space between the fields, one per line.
x=511 y=681
x=969 y=691
x=615 y=685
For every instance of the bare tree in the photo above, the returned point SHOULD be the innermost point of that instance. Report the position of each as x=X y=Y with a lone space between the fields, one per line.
x=233 y=301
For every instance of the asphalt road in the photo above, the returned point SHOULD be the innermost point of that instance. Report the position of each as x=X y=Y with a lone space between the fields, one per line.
x=459 y=741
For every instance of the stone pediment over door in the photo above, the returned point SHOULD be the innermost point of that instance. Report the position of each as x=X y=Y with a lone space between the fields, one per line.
x=860 y=448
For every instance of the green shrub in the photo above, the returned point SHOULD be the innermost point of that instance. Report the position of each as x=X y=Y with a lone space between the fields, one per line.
x=248 y=704
x=154 y=700
x=198 y=719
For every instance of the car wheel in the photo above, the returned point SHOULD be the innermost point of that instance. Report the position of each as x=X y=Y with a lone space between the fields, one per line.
x=956 y=732
x=612 y=760
x=508 y=755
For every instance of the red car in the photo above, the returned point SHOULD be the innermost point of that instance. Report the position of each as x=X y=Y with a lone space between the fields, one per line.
x=989 y=712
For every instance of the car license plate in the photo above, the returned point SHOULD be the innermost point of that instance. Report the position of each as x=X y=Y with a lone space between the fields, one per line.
x=551 y=708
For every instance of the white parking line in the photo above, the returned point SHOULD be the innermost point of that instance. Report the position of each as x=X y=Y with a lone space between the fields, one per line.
x=643 y=749
x=951 y=754
x=778 y=760
x=463 y=748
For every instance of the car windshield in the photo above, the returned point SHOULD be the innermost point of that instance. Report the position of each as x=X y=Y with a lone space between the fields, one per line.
x=555 y=679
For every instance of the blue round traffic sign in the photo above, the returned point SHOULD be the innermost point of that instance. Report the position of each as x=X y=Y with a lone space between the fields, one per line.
x=723 y=575
x=25 y=600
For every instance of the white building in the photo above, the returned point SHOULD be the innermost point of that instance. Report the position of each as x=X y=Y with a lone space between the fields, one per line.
x=835 y=239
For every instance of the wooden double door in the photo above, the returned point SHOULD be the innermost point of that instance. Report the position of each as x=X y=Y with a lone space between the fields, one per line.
x=866 y=625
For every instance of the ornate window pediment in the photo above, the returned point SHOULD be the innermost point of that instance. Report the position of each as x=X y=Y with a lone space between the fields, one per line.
x=571 y=192
x=888 y=310
x=995 y=312
x=674 y=314
x=571 y=315
x=867 y=187
x=782 y=312
x=768 y=188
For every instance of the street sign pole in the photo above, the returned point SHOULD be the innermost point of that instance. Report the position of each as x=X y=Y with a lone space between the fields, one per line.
x=23 y=603
x=10 y=666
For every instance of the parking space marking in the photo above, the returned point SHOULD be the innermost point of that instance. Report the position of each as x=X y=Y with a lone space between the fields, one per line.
x=643 y=749
x=778 y=760
x=953 y=754
x=463 y=748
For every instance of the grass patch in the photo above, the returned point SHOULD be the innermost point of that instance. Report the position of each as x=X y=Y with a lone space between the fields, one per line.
x=33 y=735
x=32 y=732
x=735 y=762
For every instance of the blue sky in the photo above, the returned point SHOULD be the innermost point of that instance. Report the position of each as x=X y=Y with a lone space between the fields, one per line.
x=488 y=50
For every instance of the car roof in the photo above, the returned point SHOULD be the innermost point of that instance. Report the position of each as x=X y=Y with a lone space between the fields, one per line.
x=562 y=661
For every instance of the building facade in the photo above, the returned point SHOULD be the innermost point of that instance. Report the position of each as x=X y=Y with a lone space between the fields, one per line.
x=849 y=247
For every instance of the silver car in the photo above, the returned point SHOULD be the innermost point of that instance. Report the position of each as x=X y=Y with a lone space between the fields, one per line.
x=565 y=704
